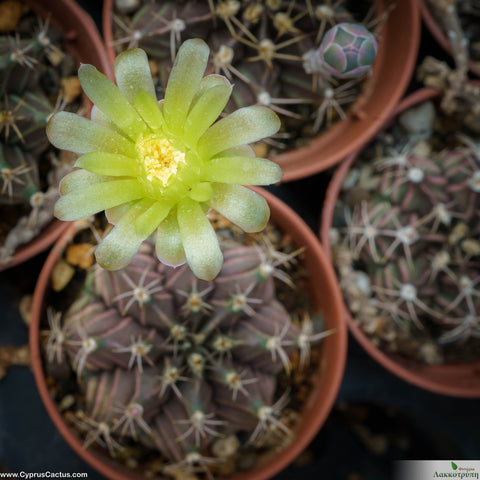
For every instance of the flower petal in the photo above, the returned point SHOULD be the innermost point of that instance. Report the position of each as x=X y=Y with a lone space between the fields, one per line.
x=243 y=170
x=92 y=199
x=168 y=242
x=112 y=164
x=187 y=72
x=207 y=82
x=148 y=222
x=114 y=214
x=79 y=179
x=201 y=192
x=240 y=205
x=149 y=110
x=69 y=131
x=132 y=73
x=99 y=117
x=245 y=125
x=199 y=240
x=206 y=110
x=240 y=151
x=110 y=100
x=120 y=245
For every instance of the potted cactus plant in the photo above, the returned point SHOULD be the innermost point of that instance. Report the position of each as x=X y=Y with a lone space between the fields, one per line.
x=41 y=45
x=401 y=223
x=186 y=332
x=453 y=25
x=280 y=55
x=148 y=407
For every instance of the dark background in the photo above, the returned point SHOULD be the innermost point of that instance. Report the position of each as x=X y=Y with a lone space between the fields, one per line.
x=376 y=420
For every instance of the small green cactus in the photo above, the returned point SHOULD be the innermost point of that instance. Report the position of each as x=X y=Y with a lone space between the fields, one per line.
x=411 y=243
x=346 y=51
x=30 y=91
x=271 y=50
x=185 y=367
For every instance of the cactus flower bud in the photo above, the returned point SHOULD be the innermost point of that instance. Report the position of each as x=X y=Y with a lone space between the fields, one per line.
x=347 y=51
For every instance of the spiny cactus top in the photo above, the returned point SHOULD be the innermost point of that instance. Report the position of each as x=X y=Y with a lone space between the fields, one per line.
x=159 y=166
x=304 y=59
x=410 y=252
x=183 y=366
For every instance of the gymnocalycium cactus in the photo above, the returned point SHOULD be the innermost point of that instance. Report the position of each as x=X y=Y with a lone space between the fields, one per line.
x=30 y=62
x=346 y=51
x=159 y=166
x=183 y=366
x=411 y=250
x=262 y=47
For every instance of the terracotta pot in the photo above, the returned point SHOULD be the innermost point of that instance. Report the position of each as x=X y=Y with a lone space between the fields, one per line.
x=82 y=39
x=439 y=35
x=390 y=77
x=456 y=379
x=327 y=298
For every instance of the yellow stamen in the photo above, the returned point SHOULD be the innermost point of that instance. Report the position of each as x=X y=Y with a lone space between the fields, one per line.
x=159 y=158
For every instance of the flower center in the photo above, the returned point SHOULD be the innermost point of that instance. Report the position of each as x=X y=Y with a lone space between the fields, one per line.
x=159 y=158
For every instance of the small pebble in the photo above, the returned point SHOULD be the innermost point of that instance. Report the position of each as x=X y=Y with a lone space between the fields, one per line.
x=71 y=89
x=25 y=308
x=226 y=446
x=10 y=355
x=55 y=57
x=418 y=121
x=153 y=68
x=61 y=275
x=10 y=13
x=67 y=402
x=80 y=254
x=260 y=149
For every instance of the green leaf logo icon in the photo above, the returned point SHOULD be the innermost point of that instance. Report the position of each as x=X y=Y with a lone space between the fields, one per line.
x=454 y=466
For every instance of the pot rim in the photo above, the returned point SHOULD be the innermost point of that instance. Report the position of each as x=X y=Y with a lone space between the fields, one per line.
x=322 y=397
x=424 y=376
x=389 y=82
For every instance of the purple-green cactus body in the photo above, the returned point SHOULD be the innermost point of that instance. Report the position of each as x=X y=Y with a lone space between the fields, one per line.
x=175 y=362
x=415 y=233
x=347 y=51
